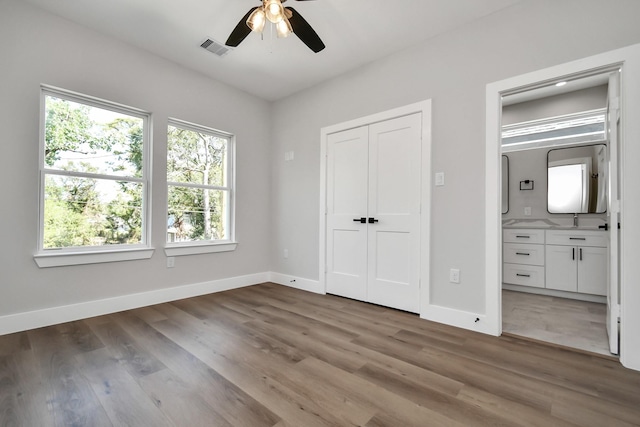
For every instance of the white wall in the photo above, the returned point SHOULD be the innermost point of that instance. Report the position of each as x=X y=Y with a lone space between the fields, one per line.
x=532 y=164
x=452 y=70
x=36 y=48
x=558 y=105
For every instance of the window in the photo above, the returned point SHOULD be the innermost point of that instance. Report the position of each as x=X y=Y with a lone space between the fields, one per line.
x=571 y=129
x=199 y=189
x=93 y=177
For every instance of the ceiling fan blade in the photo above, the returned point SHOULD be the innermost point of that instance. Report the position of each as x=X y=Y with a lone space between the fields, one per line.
x=241 y=31
x=303 y=30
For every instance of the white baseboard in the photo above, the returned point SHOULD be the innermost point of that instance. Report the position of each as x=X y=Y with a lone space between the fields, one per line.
x=297 y=282
x=459 y=318
x=55 y=315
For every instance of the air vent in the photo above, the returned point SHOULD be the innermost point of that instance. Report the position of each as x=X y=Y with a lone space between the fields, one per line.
x=215 y=47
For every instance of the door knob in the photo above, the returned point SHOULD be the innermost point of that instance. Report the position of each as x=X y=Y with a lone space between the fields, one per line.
x=372 y=220
x=361 y=220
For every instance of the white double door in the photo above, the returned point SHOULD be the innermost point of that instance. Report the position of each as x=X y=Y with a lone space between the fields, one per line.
x=373 y=213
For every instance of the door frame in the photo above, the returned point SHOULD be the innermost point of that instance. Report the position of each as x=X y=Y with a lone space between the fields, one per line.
x=423 y=107
x=629 y=59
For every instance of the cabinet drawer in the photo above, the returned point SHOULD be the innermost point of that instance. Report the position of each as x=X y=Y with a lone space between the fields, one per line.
x=525 y=275
x=577 y=238
x=522 y=235
x=518 y=253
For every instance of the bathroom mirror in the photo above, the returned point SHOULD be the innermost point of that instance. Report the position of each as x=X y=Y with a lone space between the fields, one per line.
x=577 y=179
x=505 y=184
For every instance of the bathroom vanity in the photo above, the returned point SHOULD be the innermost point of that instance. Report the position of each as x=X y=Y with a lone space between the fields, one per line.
x=565 y=262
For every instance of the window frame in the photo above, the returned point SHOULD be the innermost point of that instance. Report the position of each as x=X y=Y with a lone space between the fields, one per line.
x=206 y=246
x=54 y=257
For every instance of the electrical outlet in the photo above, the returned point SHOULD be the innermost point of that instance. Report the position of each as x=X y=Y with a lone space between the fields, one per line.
x=171 y=262
x=286 y=253
x=527 y=211
x=439 y=179
x=454 y=275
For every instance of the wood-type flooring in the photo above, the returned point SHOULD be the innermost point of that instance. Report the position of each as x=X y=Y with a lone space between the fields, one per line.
x=269 y=355
x=562 y=321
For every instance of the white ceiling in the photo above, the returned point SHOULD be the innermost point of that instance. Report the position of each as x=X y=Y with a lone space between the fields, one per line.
x=549 y=89
x=355 y=32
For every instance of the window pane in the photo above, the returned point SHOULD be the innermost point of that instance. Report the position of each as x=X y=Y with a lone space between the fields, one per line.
x=196 y=157
x=83 y=138
x=91 y=212
x=197 y=214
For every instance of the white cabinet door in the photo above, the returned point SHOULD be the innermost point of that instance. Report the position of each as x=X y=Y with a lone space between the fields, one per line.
x=347 y=191
x=592 y=270
x=394 y=206
x=561 y=270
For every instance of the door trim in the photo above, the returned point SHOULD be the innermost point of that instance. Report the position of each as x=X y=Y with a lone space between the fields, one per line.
x=423 y=107
x=629 y=58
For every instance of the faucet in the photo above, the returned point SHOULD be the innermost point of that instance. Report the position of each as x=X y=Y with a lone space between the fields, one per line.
x=575 y=219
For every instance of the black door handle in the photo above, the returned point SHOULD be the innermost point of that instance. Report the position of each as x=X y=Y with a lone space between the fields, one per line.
x=361 y=220
x=372 y=220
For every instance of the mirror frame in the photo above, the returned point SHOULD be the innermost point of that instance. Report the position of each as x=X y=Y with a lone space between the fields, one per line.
x=603 y=143
x=505 y=182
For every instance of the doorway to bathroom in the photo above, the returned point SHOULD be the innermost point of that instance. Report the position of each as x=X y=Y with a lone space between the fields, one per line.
x=625 y=271
x=559 y=150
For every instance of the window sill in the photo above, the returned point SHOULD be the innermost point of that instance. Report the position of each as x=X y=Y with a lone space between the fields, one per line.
x=195 y=248
x=57 y=259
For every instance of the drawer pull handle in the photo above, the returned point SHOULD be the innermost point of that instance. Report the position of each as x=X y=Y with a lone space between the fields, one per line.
x=523 y=275
x=577 y=238
x=580 y=254
x=522 y=253
x=573 y=253
x=523 y=237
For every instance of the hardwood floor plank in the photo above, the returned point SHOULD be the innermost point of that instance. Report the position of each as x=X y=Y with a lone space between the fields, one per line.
x=247 y=371
x=513 y=413
x=120 y=395
x=341 y=387
x=312 y=347
x=126 y=350
x=69 y=396
x=23 y=395
x=180 y=401
x=588 y=417
x=224 y=396
x=269 y=355
x=427 y=397
x=14 y=343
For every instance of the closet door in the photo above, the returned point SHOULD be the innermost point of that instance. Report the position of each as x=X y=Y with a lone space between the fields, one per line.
x=347 y=192
x=394 y=212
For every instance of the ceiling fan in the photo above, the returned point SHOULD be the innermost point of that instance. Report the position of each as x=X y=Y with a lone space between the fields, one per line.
x=286 y=19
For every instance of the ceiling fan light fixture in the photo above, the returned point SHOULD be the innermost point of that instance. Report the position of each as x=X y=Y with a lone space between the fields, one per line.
x=283 y=28
x=257 y=20
x=274 y=10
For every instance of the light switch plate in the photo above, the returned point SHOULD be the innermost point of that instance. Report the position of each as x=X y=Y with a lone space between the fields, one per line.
x=527 y=211
x=439 y=179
